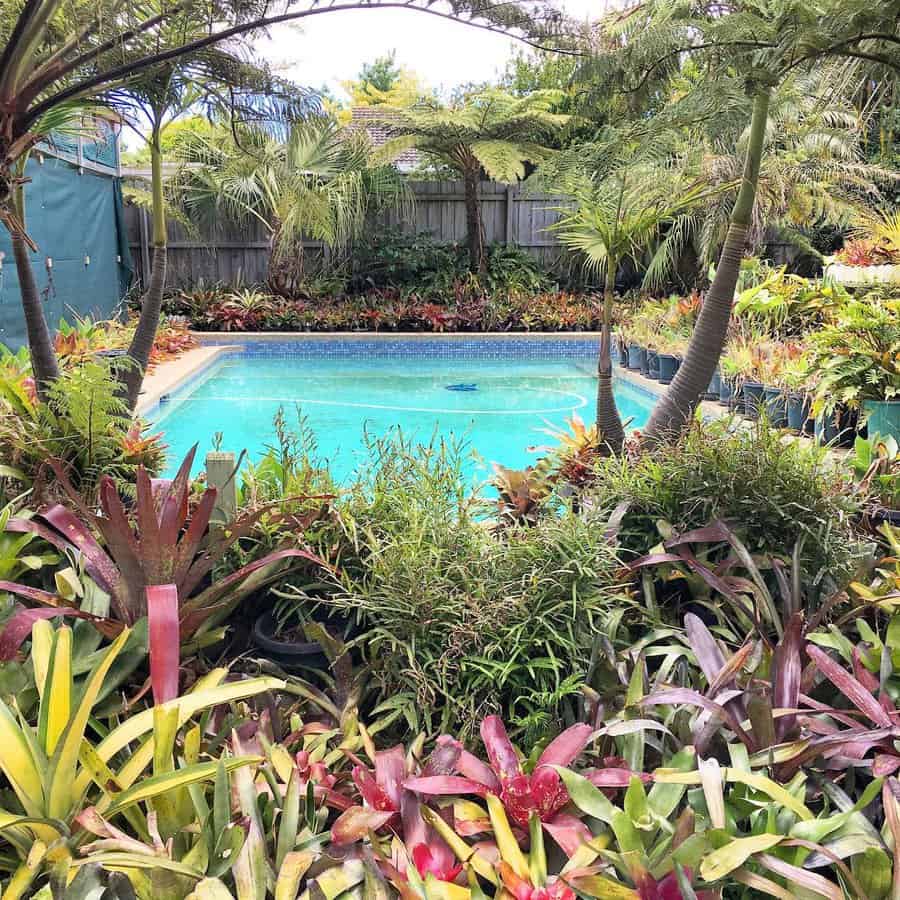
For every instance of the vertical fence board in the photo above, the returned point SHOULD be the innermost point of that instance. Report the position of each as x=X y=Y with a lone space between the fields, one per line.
x=238 y=254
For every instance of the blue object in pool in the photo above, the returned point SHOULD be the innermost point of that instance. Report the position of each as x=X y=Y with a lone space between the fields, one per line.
x=346 y=391
x=462 y=387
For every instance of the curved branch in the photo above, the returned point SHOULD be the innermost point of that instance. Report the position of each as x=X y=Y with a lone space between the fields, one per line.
x=128 y=69
x=693 y=48
x=49 y=72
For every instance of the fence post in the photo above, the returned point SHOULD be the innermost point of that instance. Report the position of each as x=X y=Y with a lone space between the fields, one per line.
x=220 y=475
x=510 y=215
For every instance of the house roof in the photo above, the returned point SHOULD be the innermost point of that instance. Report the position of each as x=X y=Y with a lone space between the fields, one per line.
x=375 y=121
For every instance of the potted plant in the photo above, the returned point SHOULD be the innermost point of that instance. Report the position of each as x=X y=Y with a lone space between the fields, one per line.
x=857 y=363
x=670 y=348
x=776 y=361
x=876 y=466
x=795 y=382
x=753 y=390
x=622 y=344
x=637 y=357
x=729 y=379
x=715 y=386
x=653 y=363
x=736 y=364
x=873 y=256
x=292 y=643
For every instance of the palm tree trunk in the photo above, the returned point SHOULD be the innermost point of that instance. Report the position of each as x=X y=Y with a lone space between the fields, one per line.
x=474 y=225
x=677 y=405
x=284 y=274
x=609 y=423
x=145 y=334
x=44 y=364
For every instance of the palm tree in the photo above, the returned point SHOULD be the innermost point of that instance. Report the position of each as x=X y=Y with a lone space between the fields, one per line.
x=320 y=183
x=619 y=213
x=224 y=83
x=763 y=44
x=490 y=130
x=58 y=53
x=813 y=170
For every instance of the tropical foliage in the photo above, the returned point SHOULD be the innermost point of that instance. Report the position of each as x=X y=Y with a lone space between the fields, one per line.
x=318 y=184
x=489 y=130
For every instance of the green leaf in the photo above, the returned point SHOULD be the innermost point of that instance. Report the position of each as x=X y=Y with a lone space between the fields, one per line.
x=733 y=855
x=157 y=785
x=587 y=797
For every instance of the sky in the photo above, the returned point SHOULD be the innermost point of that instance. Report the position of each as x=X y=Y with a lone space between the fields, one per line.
x=332 y=48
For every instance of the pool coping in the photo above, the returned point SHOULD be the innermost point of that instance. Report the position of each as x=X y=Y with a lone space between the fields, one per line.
x=252 y=337
x=175 y=375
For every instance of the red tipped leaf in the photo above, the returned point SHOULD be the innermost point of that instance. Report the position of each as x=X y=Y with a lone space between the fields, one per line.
x=165 y=641
x=499 y=748
x=564 y=749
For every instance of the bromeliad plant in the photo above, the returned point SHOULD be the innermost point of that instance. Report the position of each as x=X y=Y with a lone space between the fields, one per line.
x=164 y=539
x=876 y=467
x=522 y=795
x=56 y=770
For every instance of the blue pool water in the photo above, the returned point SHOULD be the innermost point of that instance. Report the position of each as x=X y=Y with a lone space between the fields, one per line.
x=499 y=399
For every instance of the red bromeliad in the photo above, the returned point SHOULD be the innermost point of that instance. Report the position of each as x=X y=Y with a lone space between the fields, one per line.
x=387 y=804
x=436 y=859
x=668 y=888
x=525 y=890
x=159 y=539
x=541 y=792
x=380 y=791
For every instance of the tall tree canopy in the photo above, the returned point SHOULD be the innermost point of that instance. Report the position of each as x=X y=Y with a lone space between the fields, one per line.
x=57 y=54
x=761 y=43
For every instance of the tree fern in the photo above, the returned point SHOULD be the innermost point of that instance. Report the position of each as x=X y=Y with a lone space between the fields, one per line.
x=490 y=130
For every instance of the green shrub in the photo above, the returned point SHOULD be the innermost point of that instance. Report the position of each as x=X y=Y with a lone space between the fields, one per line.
x=455 y=619
x=83 y=424
x=774 y=492
x=435 y=270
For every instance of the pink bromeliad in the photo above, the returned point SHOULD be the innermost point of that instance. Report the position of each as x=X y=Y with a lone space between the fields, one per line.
x=541 y=792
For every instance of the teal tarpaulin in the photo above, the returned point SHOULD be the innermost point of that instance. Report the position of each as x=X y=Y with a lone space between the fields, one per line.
x=76 y=221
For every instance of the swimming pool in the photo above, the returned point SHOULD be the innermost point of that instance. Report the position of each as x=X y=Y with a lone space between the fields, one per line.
x=497 y=394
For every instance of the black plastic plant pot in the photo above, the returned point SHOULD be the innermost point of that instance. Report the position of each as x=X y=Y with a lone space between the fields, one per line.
x=754 y=396
x=653 y=365
x=776 y=406
x=715 y=387
x=622 y=352
x=645 y=362
x=839 y=428
x=826 y=429
x=636 y=357
x=797 y=412
x=848 y=426
x=287 y=653
x=884 y=515
x=668 y=366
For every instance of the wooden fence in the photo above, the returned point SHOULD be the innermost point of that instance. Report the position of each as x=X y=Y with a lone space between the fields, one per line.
x=240 y=255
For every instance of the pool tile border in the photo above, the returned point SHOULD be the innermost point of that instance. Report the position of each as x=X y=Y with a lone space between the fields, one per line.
x=348 y=345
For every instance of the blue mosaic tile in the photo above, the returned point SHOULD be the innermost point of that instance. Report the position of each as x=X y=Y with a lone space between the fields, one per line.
x=575 y=348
